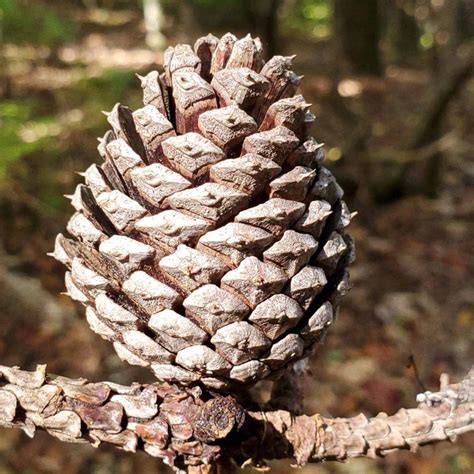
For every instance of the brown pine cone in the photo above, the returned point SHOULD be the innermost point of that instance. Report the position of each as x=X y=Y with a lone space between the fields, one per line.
x=210 y=244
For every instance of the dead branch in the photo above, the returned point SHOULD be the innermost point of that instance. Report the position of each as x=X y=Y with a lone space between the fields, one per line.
x=193 y=427
x=441 y=96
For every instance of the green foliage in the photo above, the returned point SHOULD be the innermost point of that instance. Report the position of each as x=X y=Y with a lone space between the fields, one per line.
x=455 y=464
x=19 y=134
x=93 y=94
x=26 y=131
x=427 y=40
x=312 y=17
x=34 y=22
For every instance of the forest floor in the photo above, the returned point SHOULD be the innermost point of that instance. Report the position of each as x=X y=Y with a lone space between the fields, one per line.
x=413 y=280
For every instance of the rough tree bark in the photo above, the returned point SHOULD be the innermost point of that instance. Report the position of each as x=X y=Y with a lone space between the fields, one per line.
x=194 y=429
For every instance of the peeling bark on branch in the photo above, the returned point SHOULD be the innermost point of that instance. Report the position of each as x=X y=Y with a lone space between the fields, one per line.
x=193 y=427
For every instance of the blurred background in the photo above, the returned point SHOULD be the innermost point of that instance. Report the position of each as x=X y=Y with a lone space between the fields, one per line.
x=392 y=88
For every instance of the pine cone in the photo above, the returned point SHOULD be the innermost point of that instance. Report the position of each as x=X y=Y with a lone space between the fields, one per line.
x=210 y=244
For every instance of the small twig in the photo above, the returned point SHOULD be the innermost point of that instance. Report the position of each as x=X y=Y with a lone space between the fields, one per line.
x=184 y=429
x=441 y=96
x=412 y=364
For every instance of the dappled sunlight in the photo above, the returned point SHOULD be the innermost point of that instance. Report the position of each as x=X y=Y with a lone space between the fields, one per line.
x=349 y=88
x=97 y=54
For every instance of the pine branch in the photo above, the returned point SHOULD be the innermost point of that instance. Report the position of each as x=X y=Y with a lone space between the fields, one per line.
x=193 y=427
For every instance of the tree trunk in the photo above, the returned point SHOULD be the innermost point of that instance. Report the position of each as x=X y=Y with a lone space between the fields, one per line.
x=358 y=34
x=262 y=20
x=270 y=27
x=463 y=22
x=403 y=33
x=153 y=15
